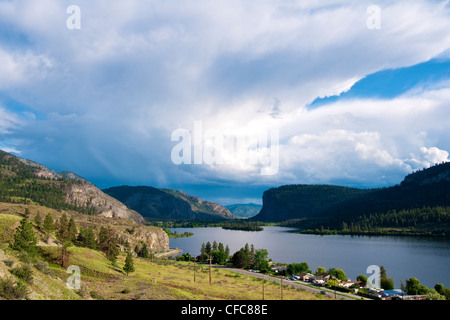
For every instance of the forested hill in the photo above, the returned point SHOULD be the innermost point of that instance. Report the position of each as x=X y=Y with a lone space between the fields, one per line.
x=302 y=201
x=425 y=188
x=157 y=203
x=27 y=182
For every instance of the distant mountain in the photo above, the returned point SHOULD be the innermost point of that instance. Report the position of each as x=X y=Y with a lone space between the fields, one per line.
x=157 y=203
x=244 y=210
x=25 y=181
x=426 y=188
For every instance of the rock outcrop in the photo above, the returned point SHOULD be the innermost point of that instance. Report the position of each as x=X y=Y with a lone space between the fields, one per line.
x=86 y=194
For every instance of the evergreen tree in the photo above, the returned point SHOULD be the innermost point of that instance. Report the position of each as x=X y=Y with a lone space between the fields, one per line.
x=38 y=219
x=227 y=251
x=72 y=230
x=48 y=223
x=203 y=249
x=91 y=242
x=252 y=252
x=144 y=251
x=24 y=238
x=86 y=238
x=385 y=282
x=63 y=230
x=108 y=243
x=129 y=266
x=208 y=248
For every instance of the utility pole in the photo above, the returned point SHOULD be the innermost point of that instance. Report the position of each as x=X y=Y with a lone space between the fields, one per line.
x=281 y=288
x=194 y=272
x=263 y=288
x=210 y=267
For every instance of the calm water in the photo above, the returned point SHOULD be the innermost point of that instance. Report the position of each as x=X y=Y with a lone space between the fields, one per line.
x=425 y=259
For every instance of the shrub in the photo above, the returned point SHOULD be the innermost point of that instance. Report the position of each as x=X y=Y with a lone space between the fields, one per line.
x=23 y=273
x=9 y=263
x=11 y=291
x=96 y=295
x=43 y=267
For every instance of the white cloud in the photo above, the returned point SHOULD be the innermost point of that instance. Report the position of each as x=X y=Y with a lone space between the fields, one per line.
x=8 y=121
x=433 y=155
x=138 y=70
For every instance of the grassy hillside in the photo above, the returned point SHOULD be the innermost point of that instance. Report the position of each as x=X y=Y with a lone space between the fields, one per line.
x=160 y=279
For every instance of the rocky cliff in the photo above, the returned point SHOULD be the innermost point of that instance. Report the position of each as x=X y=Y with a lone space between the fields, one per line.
x=86 y=194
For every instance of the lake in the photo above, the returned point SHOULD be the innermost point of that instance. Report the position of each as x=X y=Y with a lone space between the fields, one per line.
x=427 y=259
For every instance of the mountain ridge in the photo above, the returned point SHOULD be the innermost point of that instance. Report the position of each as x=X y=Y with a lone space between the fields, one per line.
x=427 y=187
x=155 y=203
x=244 y=210
x=26 y=181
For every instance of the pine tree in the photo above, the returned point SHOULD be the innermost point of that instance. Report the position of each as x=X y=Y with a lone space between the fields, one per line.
x=386 y=283
x=108 y=243
x=72 y=230
x=24 y=238
x=49 y=227
x=129 y=266
x=38 y=219
x=203 y=249
x=208 y=248
x=90 y=241
x=63 y=230
x=227 y=251
x=48 y=223
x=144 y=251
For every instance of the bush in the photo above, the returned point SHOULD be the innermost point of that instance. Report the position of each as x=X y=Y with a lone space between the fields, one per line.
x=43 y=267
x=11 y=291
x=23 y=273
x=96 y=295
x=9 y=263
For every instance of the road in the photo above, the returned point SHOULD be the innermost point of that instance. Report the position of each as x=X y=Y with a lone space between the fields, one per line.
x=297 y=284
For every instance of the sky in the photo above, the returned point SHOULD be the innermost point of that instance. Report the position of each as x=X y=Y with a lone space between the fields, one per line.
x=226 y=99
